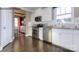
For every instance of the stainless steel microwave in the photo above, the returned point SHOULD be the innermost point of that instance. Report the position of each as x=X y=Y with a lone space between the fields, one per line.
x=38 y=18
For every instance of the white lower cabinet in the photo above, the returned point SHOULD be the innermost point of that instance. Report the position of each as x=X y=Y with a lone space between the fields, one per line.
x=76 y=40
x=66 y=38
x=56 y=36
x=62 y=37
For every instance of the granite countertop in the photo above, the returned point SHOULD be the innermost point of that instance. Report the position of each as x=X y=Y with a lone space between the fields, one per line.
x=56 y=27
x=59 y=26
x=62 y=27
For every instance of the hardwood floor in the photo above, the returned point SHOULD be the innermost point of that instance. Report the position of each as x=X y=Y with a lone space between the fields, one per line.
x=27 y=44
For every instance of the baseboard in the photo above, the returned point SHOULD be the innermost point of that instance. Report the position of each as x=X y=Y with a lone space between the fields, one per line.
x=1 y=48
x=12 y=39
x=47 y=42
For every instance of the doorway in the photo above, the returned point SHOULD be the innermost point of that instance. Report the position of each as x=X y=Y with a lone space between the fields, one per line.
x=19 y=25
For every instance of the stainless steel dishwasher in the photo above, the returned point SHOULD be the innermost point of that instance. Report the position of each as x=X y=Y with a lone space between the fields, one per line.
x=47 y=34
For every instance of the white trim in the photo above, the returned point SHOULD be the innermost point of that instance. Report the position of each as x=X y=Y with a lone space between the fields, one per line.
x=72 y=13
x=12 y=39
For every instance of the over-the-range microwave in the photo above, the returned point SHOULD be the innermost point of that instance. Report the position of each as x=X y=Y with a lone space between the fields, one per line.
x=38 y=19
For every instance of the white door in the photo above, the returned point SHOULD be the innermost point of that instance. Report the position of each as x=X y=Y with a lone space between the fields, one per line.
x=3 y=28
x=6 y=27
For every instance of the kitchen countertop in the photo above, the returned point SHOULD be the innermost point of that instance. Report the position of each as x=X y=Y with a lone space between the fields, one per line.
x=58 y=26
x=54 y=27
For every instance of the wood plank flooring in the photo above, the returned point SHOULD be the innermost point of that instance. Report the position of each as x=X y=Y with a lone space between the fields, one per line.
x=27 y=44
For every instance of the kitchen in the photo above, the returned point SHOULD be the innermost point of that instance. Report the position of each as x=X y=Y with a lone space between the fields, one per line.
x=63 y=33
x=58 y=26
x=39 y=26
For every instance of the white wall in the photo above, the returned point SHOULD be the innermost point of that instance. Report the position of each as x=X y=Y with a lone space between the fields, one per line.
x=75 y=15
x=28 y=24
x=46 y=14
x=76 y=12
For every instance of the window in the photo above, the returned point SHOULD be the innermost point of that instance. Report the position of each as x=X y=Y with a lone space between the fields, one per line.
x=63 y=13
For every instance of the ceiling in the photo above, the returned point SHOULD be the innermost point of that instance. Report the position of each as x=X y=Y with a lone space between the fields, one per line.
x=30 y=9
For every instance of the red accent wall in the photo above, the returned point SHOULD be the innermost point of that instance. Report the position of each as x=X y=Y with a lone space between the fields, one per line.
x=18 y=24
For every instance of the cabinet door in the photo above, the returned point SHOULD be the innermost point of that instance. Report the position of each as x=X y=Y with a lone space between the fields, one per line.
x=76 y=40
x=56 y=36
x=66 y=38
